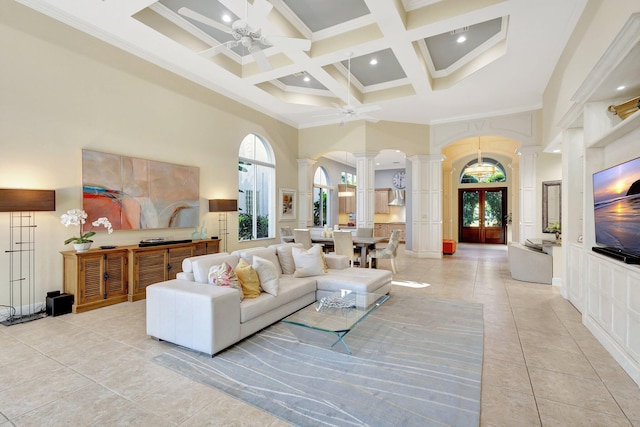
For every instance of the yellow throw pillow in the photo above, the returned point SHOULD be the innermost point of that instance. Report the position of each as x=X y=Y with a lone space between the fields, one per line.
x=248 y=279
x=325 y=267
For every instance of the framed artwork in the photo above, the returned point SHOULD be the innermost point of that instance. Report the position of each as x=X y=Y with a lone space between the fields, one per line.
x=137 y=194
x=287 y=204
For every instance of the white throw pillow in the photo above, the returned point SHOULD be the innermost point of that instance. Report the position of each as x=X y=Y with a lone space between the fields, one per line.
x=308 y=262
x=268 y=275
x=266 y=253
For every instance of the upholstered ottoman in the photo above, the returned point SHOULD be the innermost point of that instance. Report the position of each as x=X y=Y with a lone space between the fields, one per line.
x=195 y=315
x=448 y=247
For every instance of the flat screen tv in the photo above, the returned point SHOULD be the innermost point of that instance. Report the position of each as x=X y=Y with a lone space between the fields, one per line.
x=616 y=196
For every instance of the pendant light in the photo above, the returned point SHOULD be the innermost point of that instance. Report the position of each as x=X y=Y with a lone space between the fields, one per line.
x=480 y=170
x=346 y=193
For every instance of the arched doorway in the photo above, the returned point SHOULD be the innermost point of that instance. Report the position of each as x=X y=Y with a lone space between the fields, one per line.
x=476 y=206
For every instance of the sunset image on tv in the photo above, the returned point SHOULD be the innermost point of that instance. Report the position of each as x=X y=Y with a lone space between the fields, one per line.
x=616 y=195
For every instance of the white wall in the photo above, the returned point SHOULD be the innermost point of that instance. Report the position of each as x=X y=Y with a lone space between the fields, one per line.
x=62 y=91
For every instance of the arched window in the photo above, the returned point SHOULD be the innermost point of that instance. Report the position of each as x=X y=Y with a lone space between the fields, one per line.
x=490 y=170
x=256 y=186
x=320 y=197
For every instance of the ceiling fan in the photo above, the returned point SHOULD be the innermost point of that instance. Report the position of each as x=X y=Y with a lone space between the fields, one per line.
x=248 y=32
x=350 y=112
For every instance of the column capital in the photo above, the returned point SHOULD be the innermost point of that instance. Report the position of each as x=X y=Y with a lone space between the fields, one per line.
x=306 y=162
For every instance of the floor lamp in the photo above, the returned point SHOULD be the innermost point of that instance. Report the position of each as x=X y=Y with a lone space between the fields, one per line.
x=222 y=206
x=22 y=206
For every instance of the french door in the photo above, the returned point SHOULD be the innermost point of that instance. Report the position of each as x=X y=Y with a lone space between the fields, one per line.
x=481 y=215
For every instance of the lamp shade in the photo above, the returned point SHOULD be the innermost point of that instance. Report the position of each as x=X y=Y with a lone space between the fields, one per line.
x=223 y=205
x=21 y=200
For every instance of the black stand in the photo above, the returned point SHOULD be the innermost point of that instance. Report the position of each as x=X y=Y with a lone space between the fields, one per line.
x=618 y=254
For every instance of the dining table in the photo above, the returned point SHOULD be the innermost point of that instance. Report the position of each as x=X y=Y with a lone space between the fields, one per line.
x=362 y=243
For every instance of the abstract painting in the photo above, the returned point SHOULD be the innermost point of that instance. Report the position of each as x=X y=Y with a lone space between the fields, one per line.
x=139 y=194
x=287 y=204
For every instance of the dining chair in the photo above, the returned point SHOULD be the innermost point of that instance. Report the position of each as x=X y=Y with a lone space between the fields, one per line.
x=303 y=236
x=388 y=252
x=364 y=232
x=343 y=244
x=286 y=233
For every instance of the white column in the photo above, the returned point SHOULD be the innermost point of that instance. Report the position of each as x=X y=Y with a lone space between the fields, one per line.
x=365 y=193
x=426 y=205
x=528 y=192
x=305 y=192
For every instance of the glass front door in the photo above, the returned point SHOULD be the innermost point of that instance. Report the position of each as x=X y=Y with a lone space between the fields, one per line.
x=481 y=215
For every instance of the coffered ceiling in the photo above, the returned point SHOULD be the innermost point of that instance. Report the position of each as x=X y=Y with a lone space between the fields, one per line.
x=406 y=60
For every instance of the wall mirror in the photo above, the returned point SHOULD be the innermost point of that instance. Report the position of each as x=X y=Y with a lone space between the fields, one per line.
x=551 y=206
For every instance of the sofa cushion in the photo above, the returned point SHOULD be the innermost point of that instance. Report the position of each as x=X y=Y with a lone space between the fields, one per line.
x=202 y=264
x=187 y=263
x=291 y=288
x=285 y=257
x=248 y=279
x=266 y=253
x=308 y=261
x=355 y=279
x=336 y=262
x=268 y=275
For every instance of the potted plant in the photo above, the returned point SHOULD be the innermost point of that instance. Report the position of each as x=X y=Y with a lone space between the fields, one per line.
x=83 y=241
x=555 y=228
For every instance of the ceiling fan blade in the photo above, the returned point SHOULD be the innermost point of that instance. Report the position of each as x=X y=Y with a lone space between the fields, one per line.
x=334 y=114
x=370 y=119
x=237 y=7
x=219 y=48
x=260 y=58
x=368 y=108
x=189 y=13
x=289 y=43
x=258 y=14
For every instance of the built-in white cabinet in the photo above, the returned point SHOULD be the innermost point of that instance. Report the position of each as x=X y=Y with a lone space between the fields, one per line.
x=605 y=290
x=613 y=309
x=574 y=277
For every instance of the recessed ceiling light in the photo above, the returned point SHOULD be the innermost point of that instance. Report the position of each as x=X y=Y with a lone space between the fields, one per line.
x=557 y=150
x=374 y=61
x=461 y=39
x=226 y=18
x=306 y=79
x=621 y=87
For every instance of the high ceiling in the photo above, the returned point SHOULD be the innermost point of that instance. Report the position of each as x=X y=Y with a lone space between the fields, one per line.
x=423 y=73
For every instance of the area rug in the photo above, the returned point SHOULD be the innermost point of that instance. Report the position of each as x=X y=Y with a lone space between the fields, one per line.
x=416 y=361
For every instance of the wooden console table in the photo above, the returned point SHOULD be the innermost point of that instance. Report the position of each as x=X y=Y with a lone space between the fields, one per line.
x=100 y=277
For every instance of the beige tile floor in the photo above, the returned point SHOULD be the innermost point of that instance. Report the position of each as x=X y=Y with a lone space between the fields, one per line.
x=541 y=365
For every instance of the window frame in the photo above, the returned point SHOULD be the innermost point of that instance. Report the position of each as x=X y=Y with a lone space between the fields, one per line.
x=271 y=188
x=323 y=188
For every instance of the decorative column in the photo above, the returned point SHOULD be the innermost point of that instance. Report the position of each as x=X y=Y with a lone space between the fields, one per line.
x=426 y=205
x=447 y=201
x=528 y=192
x=305 y=192
x=365 y=192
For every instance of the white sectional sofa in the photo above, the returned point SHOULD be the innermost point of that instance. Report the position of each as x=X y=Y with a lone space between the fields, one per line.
x=190 y=312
